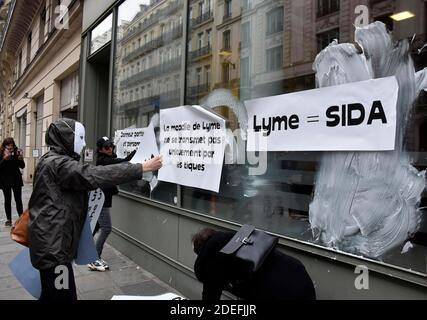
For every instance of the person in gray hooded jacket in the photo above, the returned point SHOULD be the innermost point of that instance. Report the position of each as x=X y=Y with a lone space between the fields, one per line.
x=58 y=203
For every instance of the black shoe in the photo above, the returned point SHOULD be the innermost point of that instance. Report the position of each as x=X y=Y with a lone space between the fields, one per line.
x=8 y=223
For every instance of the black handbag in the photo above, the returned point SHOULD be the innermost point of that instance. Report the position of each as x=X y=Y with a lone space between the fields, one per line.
x=250 y=245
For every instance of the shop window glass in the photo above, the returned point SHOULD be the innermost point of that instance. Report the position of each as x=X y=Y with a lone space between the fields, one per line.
x=101 y=34
x=280 y=60
x=143 y=19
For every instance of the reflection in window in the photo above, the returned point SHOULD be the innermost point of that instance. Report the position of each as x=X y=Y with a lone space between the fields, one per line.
x=226 y=38
x=274 y=58
x=225 y=73
x=245 y=72
x=148 y=57
x=386 y=20
x=246 y=5
x=267 y=59
x=275 y=21
x=325 y=38
x=246 y=35
x=227 y=9
x=101 y=35
x=325 y=7
x=208 y=37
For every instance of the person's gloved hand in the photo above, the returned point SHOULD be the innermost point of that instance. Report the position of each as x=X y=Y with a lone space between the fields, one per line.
x=130 y=156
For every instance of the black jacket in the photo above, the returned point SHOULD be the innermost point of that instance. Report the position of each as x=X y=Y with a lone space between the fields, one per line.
x=281 y=277
x=103 y=159
x=10 y=175
x=58 y=203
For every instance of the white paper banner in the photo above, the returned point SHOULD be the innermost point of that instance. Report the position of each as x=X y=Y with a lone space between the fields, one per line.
x=141 y=139
x=96 y=201
x=192 y=145
x=356 y=116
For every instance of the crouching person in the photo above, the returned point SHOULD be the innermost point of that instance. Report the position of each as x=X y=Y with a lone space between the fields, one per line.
x=58 y=204
x=280 y=277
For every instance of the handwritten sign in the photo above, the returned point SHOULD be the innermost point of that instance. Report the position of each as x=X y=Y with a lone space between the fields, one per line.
x=143 y=140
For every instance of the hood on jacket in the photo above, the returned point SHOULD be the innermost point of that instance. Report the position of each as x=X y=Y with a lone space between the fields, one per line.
x=60 y=137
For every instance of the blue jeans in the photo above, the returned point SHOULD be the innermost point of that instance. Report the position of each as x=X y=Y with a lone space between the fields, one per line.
x=104 y=222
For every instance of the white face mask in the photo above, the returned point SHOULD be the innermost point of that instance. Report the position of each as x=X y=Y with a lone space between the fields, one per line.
x=79 y=138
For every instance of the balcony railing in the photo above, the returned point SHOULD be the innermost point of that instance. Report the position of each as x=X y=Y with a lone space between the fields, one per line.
x=149 y=46
x=140 y=76
x=147 y=23
x=204 y=51
x=176 y=5
x=154 y=44
x=226 y=47
x=199 y=89
x=173 y=34
x=158 y=70
x=201 y=19
x=170 y=98
x=165 y=99
x=139 y=103
x=154 y=19
x=170 y=65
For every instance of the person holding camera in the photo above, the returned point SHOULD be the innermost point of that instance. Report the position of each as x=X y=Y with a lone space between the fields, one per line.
x=11 y=160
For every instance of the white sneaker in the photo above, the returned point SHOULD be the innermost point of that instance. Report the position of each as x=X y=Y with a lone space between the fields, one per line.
x=104 y=264
x=96 y=266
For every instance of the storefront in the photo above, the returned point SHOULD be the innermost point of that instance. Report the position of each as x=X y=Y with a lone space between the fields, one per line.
x=139 y=57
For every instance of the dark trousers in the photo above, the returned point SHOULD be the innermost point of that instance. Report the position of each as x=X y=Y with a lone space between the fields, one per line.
x=17 y=194
x=58 y=284
x=105 y=226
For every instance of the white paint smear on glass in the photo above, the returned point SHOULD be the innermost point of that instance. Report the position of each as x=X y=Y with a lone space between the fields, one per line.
x=367 y=202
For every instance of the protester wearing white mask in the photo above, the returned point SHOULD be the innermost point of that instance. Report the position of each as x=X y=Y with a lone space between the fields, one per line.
x=58 y=204
x=79 y=138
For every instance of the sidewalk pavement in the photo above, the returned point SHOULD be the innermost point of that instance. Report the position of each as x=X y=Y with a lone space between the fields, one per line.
x=123 y=278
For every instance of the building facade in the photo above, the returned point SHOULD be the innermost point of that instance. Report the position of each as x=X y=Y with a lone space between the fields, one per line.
x=40 y=55
x=139 y=57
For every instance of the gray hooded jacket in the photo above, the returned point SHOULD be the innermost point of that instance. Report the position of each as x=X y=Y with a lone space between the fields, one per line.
x=58 y=204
